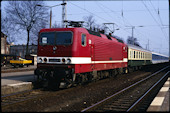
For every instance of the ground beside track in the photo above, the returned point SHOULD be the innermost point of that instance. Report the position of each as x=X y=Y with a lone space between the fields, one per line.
x=77 y=98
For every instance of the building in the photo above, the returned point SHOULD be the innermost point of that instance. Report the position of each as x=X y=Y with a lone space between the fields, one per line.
x=11 y=51
x=20 y=50
x=5 y=47
x=5 y=51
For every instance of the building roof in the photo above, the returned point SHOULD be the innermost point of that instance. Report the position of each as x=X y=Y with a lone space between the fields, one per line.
x=3 y=35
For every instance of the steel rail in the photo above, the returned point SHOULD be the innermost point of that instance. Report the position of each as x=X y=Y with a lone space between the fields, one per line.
x=146 y=93
x=18 y=95
x=122 y=90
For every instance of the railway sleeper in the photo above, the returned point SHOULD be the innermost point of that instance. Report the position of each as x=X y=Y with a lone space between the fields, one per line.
x=115 y=108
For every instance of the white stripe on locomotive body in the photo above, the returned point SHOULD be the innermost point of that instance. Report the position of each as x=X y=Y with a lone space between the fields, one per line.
x=115 y=61
x=78 y=60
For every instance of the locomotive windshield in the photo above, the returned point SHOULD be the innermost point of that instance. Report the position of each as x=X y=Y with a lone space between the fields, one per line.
x=55 y=38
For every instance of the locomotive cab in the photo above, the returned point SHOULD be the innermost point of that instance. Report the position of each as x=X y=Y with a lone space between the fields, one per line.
x=58 y=52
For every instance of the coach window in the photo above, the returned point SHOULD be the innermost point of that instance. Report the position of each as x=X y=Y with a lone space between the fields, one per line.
x=131 y=54
x=146 y=55
x=142 y=55
x=83 y=40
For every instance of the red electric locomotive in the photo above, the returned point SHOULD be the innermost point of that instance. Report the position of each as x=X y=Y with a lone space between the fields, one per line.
x=68 y=56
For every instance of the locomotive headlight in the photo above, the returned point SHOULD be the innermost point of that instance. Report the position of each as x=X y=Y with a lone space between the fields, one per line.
x=63 y=60
x=45 y=60
x=68 y=61
x=40 y=60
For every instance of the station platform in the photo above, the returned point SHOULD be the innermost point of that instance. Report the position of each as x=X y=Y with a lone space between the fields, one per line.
x=161 y=101
x=15 y=80
x=10 y=69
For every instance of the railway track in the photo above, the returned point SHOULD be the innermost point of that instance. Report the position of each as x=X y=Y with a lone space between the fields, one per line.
x=136 y=97
x=15 y=98
x=10 y=69
x=13 y=102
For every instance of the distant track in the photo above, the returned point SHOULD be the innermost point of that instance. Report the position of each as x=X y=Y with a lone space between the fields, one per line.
x=129 y=97
x=10 y=70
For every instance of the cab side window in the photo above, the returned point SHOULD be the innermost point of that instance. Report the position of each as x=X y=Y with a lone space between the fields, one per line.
x=83 y=40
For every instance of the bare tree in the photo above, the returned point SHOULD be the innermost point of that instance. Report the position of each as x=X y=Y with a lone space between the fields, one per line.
x=133 y=41
x=35 y=32
x=55 y=25
x=99 y=27
x=90 y=21
x=26 y=15
x=7 y=29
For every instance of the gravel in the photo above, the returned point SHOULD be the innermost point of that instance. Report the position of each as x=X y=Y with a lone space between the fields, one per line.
x=79 y=97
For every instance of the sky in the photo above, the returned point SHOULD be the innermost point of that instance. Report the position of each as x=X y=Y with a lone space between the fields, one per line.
x=152 y=15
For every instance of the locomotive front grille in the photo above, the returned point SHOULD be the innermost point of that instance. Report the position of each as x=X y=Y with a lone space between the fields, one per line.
x=54 y=60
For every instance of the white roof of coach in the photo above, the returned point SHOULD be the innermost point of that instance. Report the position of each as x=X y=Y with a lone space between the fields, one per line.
x=160 y=54
x=138 y=48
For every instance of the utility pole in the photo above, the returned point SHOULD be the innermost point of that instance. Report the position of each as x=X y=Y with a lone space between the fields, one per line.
x=148 y=44
x=64 y=14
x=63 y=4
x=133 y=27
x=50 y=16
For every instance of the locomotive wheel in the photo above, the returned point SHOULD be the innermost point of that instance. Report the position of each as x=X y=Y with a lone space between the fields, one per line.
x=69 y=82
x=78 y=80
x=126 y=70
x=83 y=78
x=98 y=75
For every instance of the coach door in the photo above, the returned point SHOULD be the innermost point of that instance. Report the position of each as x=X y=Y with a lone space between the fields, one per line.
x=91 y=46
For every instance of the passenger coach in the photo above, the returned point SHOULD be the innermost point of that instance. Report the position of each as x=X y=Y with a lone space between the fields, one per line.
x=138 y=56
x=159 y=58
